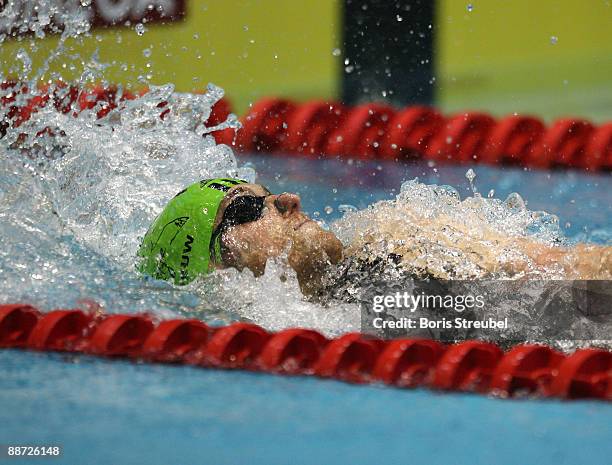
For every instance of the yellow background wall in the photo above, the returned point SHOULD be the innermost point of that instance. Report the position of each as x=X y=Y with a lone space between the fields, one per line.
x=249 y=48
x=499 y=57
x=502 y=57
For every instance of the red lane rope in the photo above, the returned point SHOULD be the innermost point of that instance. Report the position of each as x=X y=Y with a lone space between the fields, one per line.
x=368 y=131
x=376 y=131
x=472 y=366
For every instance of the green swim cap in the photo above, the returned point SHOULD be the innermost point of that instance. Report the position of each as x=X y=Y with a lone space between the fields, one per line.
x=177 y=246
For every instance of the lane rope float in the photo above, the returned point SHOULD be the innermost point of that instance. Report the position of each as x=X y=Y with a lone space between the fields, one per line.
x=375 y=131
x=471 y=366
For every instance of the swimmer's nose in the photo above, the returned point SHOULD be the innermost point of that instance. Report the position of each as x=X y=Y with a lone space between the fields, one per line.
x=287 y=203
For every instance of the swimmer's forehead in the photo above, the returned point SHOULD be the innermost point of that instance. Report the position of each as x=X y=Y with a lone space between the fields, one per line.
x=248 y=189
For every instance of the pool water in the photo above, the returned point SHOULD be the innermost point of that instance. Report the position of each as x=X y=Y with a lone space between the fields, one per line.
x=103 y=411
x=113 y=411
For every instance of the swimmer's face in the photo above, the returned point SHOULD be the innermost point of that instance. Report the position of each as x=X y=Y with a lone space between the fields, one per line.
x=258 y=225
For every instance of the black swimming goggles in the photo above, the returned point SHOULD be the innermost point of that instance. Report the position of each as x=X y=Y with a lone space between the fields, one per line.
x=241 y=210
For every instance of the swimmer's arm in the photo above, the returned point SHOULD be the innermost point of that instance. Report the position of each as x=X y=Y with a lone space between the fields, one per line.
x=583 y=261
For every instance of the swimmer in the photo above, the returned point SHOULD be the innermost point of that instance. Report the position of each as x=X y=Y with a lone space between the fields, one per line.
x=221 y=223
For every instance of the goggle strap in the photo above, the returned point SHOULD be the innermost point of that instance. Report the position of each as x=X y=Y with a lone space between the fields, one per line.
x=215 y=248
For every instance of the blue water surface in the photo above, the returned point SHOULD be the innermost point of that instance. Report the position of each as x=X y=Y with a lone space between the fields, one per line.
x=116 y=412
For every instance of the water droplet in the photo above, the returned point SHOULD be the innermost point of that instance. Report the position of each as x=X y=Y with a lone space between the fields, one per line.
x=329 y=210
x=140 y=29
x=146 y=52
x=346 y=208
x=515 y=202
x=554 y=40
x=470 y=7
x=399 y=18
x=470 y=175
x=336 y=52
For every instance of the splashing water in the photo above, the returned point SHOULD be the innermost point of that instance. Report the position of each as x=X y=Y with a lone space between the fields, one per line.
x=422 y=204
